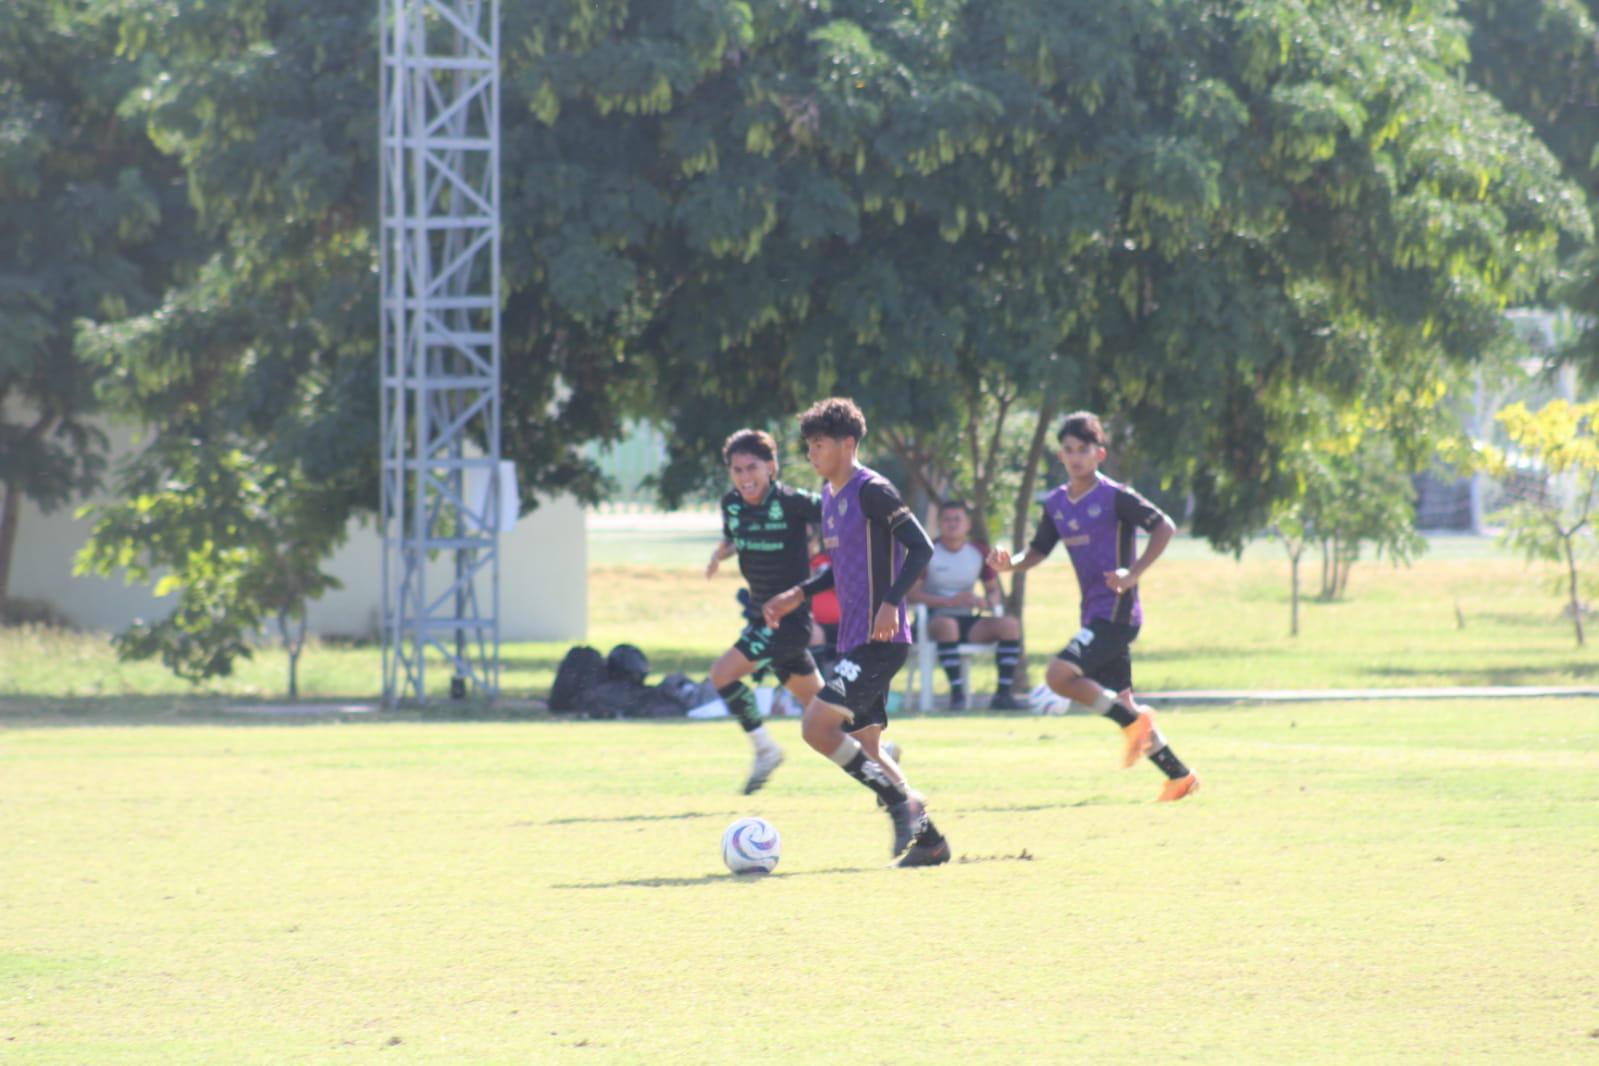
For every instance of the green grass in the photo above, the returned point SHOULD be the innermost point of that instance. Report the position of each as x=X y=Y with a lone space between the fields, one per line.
x=1212 y=622
x=1356 y=882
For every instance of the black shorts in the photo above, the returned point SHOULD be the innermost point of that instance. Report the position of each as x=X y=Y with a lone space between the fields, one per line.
x=785 y=651
x=963 y=624
x=1102 y=650
x=862 y=678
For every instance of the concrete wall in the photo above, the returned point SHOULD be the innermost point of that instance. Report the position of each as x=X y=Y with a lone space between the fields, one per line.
x=543 y=576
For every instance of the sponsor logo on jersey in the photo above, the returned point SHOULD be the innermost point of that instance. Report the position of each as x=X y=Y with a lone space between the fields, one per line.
x=775 y=512
x=1094 y=510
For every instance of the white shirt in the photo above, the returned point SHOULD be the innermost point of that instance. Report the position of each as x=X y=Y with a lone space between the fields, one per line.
x=951 y=573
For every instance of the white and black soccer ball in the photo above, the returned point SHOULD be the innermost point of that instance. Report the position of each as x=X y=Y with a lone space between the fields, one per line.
x=751 y=846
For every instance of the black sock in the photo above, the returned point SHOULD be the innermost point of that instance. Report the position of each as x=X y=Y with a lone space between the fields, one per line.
x=740 y=699
x=1121 y=714
x=949 y=658
x=927 y=833
x=871 y=775
x=1006 y=652
x=1169 y=763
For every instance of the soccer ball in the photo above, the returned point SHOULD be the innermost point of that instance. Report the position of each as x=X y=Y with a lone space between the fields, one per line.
x=751 y=846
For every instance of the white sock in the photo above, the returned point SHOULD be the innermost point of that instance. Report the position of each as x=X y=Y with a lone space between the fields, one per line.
x=846 y=751
x=764 y=744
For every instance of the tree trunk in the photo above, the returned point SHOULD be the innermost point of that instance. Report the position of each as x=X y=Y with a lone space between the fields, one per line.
x=1017 y=600
x=1576 y=588
x=10 y=514
x=1293 y=570
x=294 y=645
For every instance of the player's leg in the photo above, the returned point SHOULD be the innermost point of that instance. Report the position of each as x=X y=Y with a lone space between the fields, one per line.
x=945 y=632
x=823 y=727
x=727 y=677
x=1069 y=674
x=1005 y=633
x=1180 y=780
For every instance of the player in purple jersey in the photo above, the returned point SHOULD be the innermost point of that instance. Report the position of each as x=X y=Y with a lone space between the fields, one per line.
x=878 y=550
x=1098 y=520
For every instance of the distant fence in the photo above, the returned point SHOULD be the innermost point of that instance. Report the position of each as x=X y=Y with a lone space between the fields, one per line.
x=632 y=463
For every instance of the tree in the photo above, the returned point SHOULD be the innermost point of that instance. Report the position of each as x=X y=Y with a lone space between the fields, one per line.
x=1555 y=525
x=244 y=546
x=92 y=222
x=1190 y=215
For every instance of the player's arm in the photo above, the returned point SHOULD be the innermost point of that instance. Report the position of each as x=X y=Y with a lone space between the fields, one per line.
x=882 y=503
x=789 y=600
x=1044 y=541
x=1132 y=507
x=995 y=595
x=723 y=551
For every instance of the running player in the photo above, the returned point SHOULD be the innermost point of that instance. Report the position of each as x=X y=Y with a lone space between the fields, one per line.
x=764 y=523
x=1098 y=520
x=878 y=551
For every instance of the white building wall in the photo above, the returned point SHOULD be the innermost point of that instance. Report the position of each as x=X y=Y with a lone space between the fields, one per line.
x=543 y=576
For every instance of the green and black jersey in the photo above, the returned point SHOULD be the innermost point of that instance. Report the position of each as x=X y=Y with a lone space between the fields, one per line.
x=773 y=551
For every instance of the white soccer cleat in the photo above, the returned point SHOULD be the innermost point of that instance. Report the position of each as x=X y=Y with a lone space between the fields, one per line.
x=1045 y=700
x=761 y=770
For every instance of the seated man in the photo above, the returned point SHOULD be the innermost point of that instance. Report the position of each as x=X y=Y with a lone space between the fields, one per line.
x=946 y=588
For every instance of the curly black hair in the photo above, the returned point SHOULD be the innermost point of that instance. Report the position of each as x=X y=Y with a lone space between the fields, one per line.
x=835 y=417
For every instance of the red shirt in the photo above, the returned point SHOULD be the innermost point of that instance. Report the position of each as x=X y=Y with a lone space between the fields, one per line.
x=824 y=605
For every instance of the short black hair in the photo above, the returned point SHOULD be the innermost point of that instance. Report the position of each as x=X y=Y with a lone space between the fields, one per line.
x=1085 y=426
x=756 y=442
x=955 y=505
x=835 y=417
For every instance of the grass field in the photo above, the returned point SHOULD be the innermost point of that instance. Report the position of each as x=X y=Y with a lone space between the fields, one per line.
x=1465 y=614
x=1356 y=882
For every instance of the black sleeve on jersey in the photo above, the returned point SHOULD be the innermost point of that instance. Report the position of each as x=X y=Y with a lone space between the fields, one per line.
x=1047 y=537
x=918 y=553
x=803 y=506
x=882 y=503
x=819 y=583
x=1132 y=507
x=727 y=520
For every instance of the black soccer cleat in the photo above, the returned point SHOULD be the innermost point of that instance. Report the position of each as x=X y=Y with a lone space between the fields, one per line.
x=1004 y=701
x=926 y=855
x=908 y=816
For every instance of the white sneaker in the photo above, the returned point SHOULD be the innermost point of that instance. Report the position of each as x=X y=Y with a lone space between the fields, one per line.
x=765 y=762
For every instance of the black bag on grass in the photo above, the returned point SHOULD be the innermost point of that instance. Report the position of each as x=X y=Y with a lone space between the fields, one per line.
x=580 y=672
x=627 y=663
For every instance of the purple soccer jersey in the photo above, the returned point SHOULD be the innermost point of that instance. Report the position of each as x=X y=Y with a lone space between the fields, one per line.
x=1100 y=531
x=857 y=526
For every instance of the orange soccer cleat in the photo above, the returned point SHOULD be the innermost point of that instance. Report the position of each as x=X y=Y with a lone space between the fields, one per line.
x=1176 y=788
x=1138 y=736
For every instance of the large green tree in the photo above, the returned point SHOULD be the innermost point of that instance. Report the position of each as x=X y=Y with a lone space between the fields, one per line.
x=1189 y=214
x=92 y=224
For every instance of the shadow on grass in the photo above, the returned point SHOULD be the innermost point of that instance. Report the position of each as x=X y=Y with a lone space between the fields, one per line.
x=712 y=879
x=685 y=816
x=1493 y=675
x=25 y=710
x=1027 y=808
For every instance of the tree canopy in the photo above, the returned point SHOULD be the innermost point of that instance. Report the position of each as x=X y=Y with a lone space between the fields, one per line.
x=1210 y=220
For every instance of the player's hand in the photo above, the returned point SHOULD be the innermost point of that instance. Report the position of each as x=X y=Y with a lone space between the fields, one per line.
x=713 y=565
x=999 y=560
x=886 y=623
x=781 y=604
x=1119 y=580
x=969 y=600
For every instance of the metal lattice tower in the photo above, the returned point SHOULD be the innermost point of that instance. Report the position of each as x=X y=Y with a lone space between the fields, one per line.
x=440 y=336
